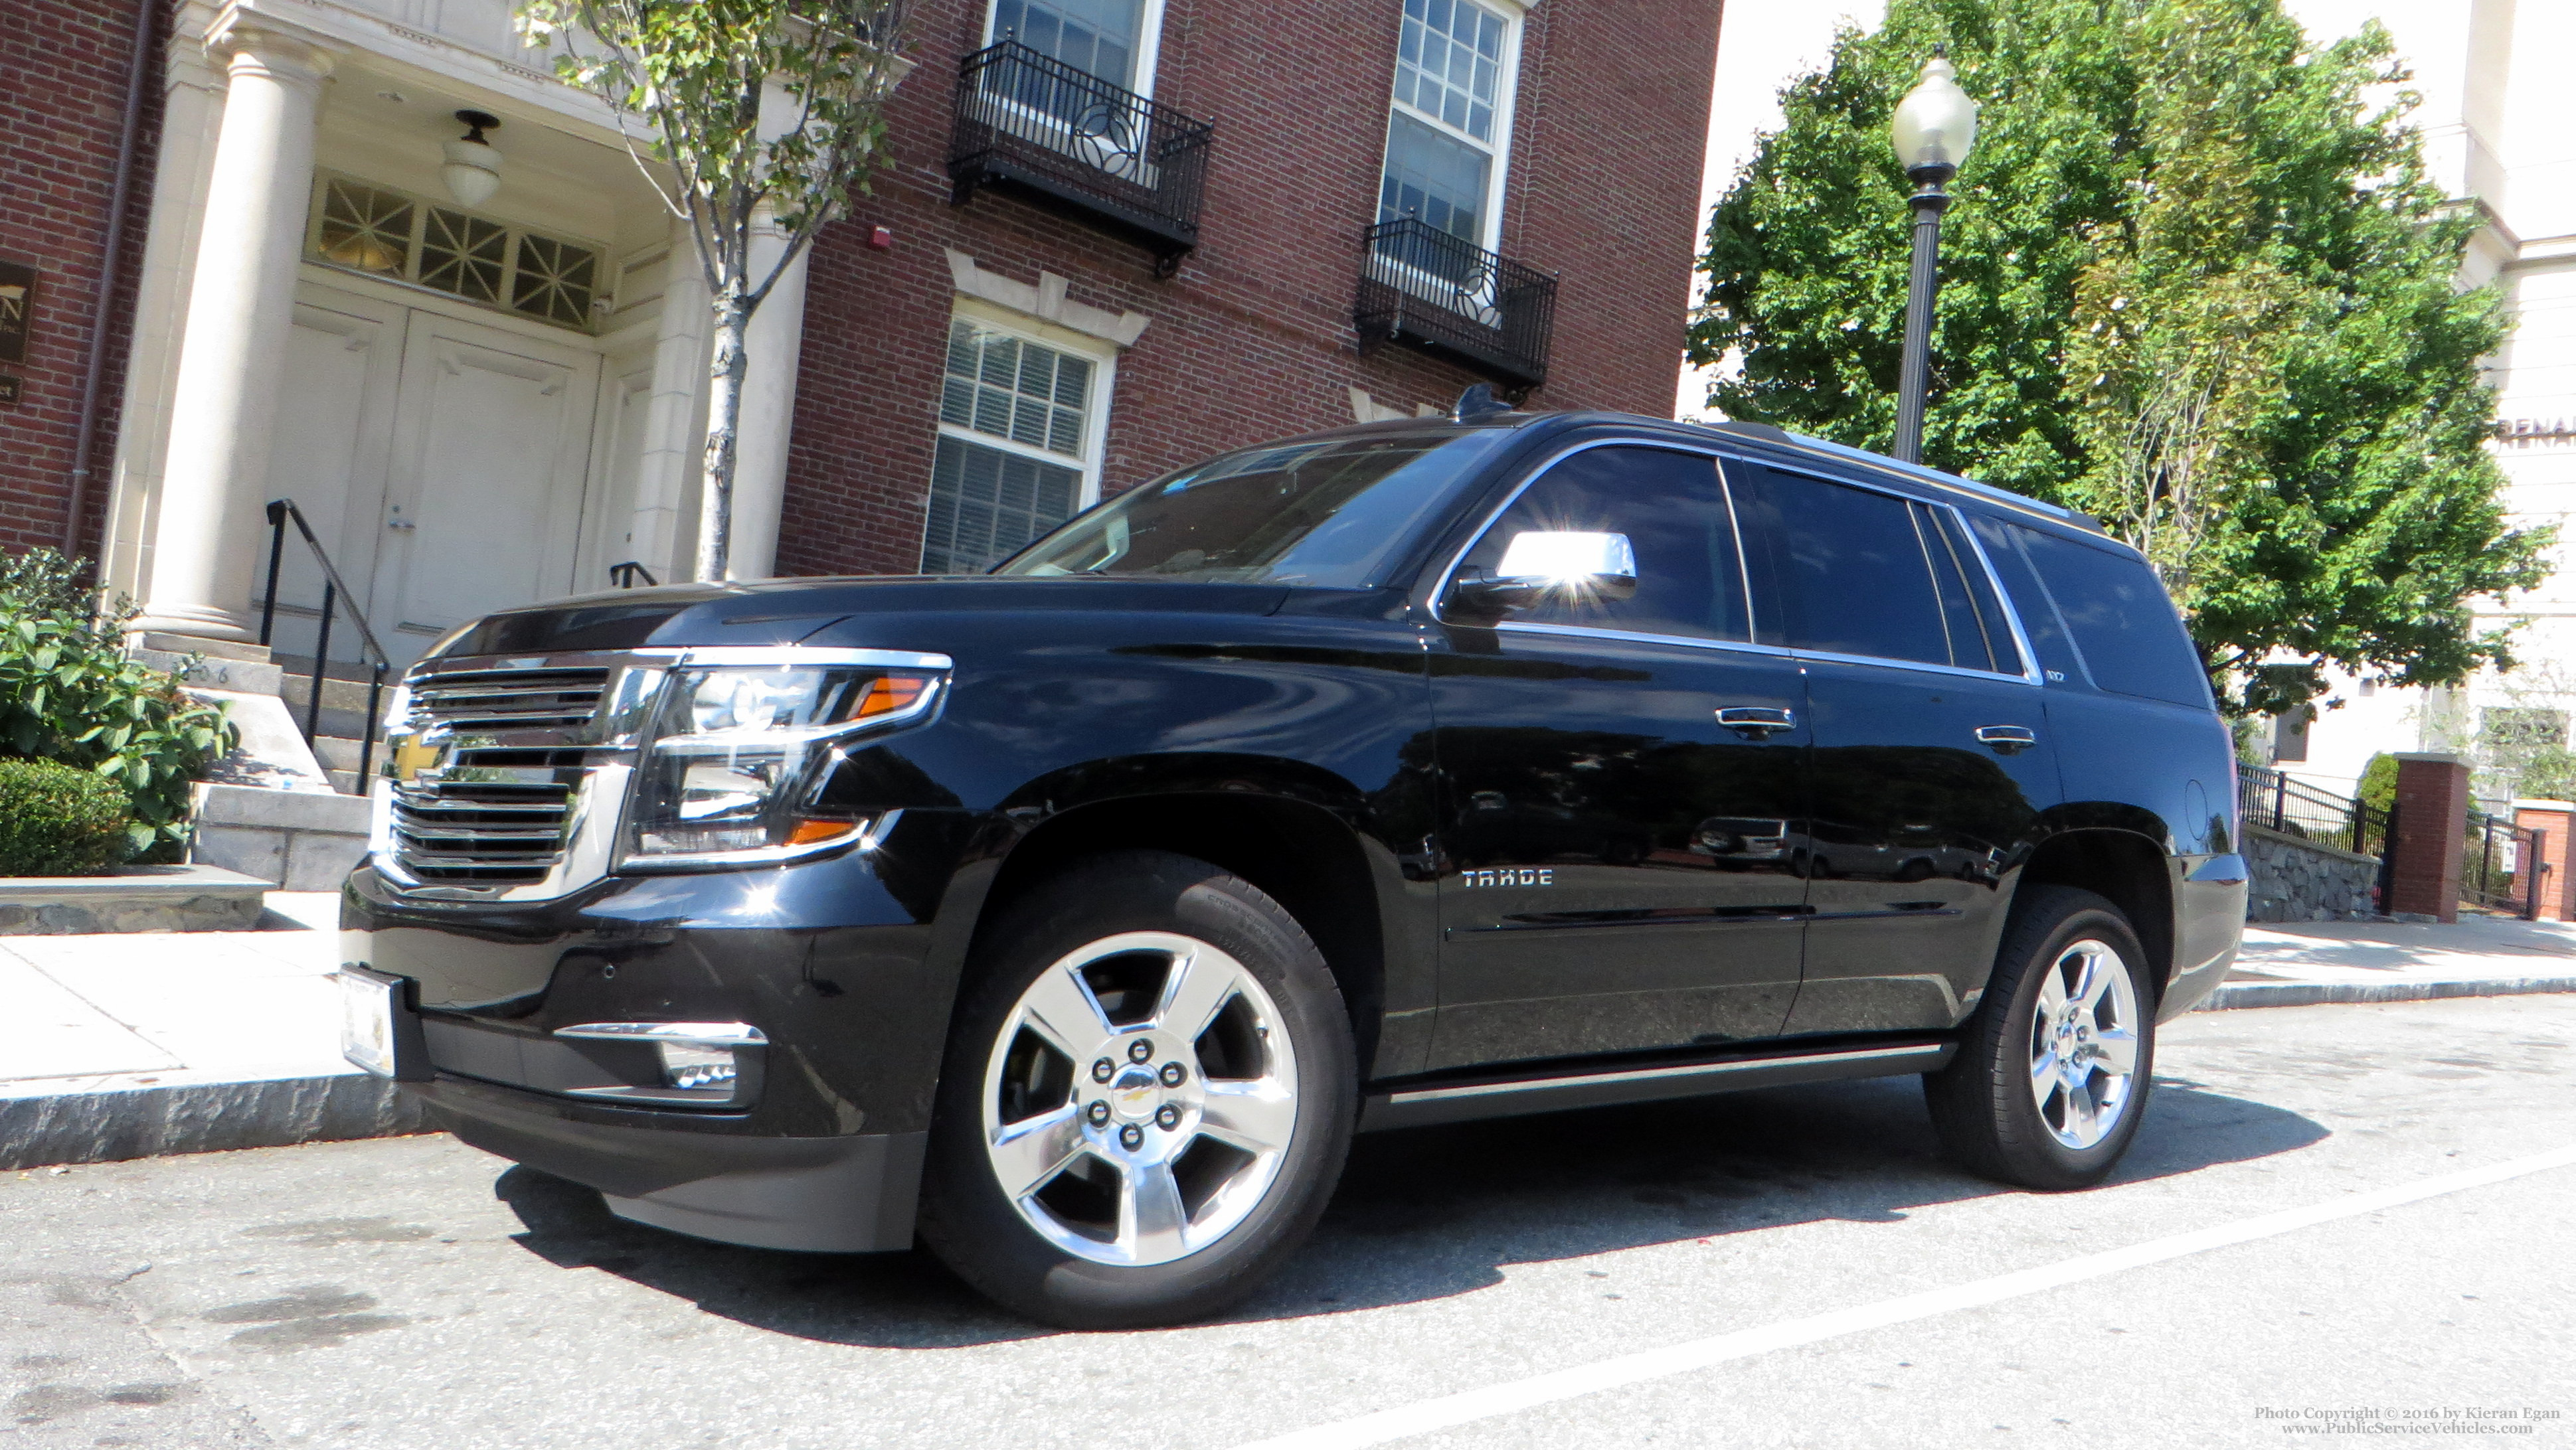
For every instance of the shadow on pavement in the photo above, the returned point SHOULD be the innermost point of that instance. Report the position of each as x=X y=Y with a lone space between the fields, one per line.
x=1432 y=1212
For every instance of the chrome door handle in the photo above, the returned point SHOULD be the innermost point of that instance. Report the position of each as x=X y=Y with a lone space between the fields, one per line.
x=404 y=524
x=2007 y=739
x=1758 y=722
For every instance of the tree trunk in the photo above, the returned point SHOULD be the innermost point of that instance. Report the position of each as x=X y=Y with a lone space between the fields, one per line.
x=724 y=415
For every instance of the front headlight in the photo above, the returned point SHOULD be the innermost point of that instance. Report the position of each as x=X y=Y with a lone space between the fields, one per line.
x=737 y=753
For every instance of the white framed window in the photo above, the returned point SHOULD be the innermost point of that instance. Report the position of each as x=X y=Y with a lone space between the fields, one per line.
x=1116 y=40
x=1023 y=416
x=1449 y=126
x=361 y=227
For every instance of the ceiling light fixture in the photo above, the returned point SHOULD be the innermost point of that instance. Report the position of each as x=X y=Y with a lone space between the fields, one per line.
x=473 y=169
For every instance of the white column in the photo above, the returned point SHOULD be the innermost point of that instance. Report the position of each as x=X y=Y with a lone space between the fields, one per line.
x=771 y=352
x=208 y=537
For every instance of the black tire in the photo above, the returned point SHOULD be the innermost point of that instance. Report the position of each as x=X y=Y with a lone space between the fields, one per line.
x=973 y=1224
x=1983 y=1106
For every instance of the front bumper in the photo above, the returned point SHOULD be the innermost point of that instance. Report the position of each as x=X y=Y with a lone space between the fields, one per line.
x=850 y=986
x=842 y=1195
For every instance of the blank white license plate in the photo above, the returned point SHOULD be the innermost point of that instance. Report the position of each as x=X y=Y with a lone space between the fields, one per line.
x=367 y=1009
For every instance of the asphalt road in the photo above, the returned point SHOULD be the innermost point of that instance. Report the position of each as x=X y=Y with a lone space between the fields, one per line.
x=415 y=1293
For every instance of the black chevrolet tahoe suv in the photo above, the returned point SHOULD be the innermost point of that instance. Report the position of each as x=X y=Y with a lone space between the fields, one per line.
x=1072 y=917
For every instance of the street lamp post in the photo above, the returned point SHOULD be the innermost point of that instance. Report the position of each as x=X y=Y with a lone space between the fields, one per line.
x=1935 y=125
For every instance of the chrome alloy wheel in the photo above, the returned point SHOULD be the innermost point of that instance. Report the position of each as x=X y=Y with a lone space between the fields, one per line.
x=2084 y=1043
x=1139 y=1098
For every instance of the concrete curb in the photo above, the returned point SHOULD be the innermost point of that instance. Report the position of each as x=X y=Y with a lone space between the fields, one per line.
x=108 y=1127
x=2310 y=994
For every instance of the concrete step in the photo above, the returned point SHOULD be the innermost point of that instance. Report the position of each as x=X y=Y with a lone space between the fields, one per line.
x=296 y=689
x=339 y=752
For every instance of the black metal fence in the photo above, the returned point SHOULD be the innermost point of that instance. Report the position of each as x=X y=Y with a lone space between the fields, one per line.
x=1025 y=118
x=2271 y=799
x=2498 y=865
x=1423 y=286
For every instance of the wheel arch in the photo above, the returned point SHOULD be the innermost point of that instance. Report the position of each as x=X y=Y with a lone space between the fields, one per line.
x=1302 y=854
x=2125 y=867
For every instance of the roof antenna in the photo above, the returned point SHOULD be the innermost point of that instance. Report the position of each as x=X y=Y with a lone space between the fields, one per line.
x=1478 y=402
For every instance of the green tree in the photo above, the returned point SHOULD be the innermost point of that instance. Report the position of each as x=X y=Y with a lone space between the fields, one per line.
x=765 y=113
x=2194 y=285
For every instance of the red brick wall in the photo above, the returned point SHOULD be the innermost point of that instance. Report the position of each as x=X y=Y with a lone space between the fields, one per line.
x=63 y=71
x=1253 y=338
x=2432 y=810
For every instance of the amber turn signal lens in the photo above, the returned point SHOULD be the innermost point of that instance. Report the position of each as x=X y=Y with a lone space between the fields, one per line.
x=815 y=833
x=889 y=693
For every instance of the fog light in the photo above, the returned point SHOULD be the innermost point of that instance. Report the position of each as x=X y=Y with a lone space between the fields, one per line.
x=695 y=1066
x=698 y=1059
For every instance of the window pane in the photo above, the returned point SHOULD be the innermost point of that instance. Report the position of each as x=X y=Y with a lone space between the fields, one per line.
x=1689 y=578
x=1437 y=178
x=555 y=280
x=462 y=255
x=365 y=229
x=1020 y=390
x=1855 y=577
x=986 y=504
x=1985 y=611
x=1097 y=37
x=1444 y=63
x=2123 y=622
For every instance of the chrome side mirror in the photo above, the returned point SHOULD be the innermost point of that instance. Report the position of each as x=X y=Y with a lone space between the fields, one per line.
x=1582 y=565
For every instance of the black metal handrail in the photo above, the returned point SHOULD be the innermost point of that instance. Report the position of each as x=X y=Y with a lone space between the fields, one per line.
x=334 y=593
x=624 y=574
x=1028 y=120
x=2497 y=861
x=2272 y=800
x=1440 y=292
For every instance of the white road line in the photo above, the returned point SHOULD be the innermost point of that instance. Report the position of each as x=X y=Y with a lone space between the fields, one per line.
x=1628 y=1369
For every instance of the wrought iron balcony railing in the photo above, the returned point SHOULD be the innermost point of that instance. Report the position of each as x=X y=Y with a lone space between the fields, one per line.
x=1426 y=288
x=1069 y=139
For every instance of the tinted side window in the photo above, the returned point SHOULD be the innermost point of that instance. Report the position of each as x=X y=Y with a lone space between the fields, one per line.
x=2122 y=620
x=1865 y=573
x=2030 y=602
x=1690 y=580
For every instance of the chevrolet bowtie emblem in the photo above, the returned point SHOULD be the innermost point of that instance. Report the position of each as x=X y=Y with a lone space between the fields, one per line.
x=409 y=757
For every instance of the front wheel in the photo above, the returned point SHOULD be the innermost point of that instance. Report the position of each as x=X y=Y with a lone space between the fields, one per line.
x=2052 y=1073
x=1147 y=1100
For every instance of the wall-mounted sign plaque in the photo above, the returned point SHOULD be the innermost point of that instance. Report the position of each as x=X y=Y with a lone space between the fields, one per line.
x=17 y=307
x=9 y=391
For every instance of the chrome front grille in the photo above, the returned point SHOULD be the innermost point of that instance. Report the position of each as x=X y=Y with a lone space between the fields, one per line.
x=510 y=699
x=496 y=769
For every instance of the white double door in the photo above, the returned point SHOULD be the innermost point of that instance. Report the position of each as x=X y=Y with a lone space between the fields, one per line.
x=445 y=464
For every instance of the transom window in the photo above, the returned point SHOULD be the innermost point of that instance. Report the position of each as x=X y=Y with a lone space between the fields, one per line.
x=1447 y=125
x=387 y=233
x=1019 y=422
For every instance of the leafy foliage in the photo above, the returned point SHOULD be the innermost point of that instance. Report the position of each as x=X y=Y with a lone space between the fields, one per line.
x=58 y=821
x=766 y=114
x=2192 y=285
x=69 y=694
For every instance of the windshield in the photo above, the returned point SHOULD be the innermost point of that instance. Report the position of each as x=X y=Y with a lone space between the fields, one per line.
x=1331 y=513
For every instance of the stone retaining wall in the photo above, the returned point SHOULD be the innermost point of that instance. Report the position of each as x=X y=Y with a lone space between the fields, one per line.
x=2296 y=879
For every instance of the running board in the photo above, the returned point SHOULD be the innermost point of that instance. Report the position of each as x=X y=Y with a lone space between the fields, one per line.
x=1414 y=1107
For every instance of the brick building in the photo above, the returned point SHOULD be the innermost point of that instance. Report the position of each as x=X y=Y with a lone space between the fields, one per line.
x=1136 y=233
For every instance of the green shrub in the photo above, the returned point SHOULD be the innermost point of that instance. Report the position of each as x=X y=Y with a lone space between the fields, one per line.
x=69 y=694
x=58 y=821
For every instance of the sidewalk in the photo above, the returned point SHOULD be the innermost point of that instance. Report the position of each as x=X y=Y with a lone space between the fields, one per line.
x=2296 y=964
x=134 y=1045
x=138 y=1045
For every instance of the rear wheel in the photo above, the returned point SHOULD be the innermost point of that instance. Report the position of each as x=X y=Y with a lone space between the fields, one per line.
x=2051 y=1078
x=1148 y=1097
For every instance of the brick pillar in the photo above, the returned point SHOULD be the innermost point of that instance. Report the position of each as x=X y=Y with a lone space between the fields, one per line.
x=2557 y=881
x=2432 y=812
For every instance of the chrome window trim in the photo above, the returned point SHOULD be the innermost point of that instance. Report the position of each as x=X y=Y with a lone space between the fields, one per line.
x=2029 y=674
x=1585 y=631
